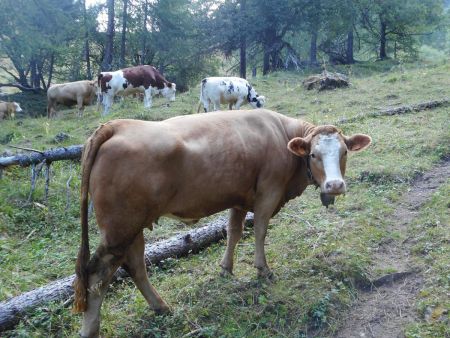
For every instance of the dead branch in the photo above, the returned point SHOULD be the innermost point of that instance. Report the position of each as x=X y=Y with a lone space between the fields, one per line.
x=55 y=154
x=397 y=111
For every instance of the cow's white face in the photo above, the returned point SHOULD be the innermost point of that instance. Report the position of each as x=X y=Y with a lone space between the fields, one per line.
x=169 y=92
x=255 y=100
x=18 y=109
x=327 y=156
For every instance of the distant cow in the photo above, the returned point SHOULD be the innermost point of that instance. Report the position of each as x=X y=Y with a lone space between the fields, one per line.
x=233 y=91
x=8 y=110
x=81 y=93
x=146 y=79
x=191 y=167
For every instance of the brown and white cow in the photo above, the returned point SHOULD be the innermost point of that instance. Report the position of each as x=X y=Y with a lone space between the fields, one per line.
x=190 y=167
x=146 y=79
x=81 y=93
x=8 y=110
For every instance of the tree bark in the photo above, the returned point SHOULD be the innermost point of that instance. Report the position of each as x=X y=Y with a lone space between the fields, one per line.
x=350 y=39
x=11 y=311
x=383 y=54
x=266 y=59
x=51 y=155
x=143 y=53
x=108 y=57
x=243 y=43
x=313 y=49
x=124 y=33
x=86 y=56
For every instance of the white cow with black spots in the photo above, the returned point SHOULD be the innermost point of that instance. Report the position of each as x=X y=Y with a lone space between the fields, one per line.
x=233 y=91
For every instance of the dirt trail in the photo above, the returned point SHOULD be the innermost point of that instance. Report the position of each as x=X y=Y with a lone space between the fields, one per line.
x=385 y=310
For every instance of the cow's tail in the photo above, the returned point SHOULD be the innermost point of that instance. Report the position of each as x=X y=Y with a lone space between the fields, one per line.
x=80 y=284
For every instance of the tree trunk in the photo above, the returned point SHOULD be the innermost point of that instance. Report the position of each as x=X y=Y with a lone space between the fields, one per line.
x=313 y=49
x=124 y=34
x=61 y=290
x=243 y=43
x=266 y=60
x=108 y=57
x=50 y=69
x=143 y=53
x=86 y=56
x=350 y=40
x=34 y=74
x=383 y=54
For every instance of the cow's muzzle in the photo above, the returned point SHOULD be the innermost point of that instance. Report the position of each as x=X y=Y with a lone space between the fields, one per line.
x=334 y=187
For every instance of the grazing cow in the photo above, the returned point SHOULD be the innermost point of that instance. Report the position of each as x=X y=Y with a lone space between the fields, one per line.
x=81 y=93
x=190 y=167
x=130 y=80
x=233 y=91
x=8 y=110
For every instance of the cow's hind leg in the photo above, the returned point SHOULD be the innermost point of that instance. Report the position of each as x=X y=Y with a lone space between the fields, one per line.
x=135 y=265
x=100 y=270
x=234 y=233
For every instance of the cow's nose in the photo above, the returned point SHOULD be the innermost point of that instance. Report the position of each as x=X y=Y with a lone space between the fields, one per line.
x=335 y=187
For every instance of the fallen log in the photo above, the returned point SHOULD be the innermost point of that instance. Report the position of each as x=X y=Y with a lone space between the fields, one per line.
x=12 y=310
x=50 y=155
x=398 y=110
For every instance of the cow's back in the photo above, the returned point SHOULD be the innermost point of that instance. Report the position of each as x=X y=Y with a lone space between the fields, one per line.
x=193 y=166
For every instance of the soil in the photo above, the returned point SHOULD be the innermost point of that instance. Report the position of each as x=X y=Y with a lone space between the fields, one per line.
x=388 y=306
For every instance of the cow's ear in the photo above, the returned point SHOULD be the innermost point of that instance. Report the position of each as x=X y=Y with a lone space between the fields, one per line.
x=358 y=142
x=299 y=146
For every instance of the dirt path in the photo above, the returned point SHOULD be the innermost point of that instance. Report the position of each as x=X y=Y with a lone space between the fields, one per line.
x=384 y=310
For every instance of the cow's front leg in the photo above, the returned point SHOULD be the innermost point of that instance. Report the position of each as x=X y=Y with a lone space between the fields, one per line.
x=234 y=233
x=264 y=209
x=148 y=97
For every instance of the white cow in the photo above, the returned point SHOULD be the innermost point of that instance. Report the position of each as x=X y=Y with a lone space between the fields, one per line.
x=131 y=80
x=233 y=91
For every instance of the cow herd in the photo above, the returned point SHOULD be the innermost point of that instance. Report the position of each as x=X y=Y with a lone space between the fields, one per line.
x=146 y=80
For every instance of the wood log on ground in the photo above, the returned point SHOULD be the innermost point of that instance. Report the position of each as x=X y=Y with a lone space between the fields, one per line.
x=326 y=80
x=50 y=155
x=398 y=110
x=12 y=310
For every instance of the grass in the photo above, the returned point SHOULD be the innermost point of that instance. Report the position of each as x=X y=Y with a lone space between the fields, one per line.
x=318 y=255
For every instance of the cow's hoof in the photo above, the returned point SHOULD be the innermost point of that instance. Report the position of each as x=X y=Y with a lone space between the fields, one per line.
x=266 y=274
x=226 y=273
x=163 y=310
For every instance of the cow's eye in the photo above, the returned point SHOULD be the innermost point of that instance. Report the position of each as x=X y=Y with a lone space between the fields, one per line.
x=313 y=155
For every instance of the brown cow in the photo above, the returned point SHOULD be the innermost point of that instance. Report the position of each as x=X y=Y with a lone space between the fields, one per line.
x=145 y=79
x=81 y=93
x=190 y=167
x=8 y=110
